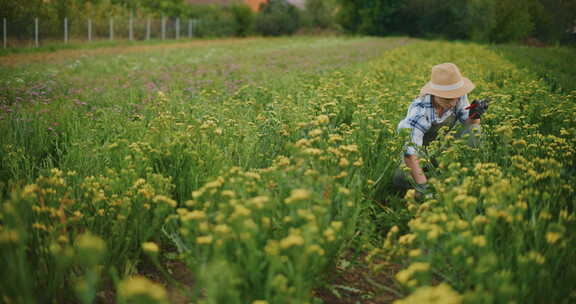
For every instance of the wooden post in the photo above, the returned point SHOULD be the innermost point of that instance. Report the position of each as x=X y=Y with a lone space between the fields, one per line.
x=5 y=30
x=111 y=29
x=163 y=27
x=65 y=30
x=148 y=28
x=36 y=31
x=177 y=28
x=189 y=28
x=89 y=29
x=131 y=33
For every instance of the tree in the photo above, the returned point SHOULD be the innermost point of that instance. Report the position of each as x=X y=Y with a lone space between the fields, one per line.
x=372 y=17
x=277 y=17
x=481 y=19
x=320 y=13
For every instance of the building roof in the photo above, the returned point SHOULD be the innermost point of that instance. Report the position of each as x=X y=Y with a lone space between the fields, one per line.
x=254 y=4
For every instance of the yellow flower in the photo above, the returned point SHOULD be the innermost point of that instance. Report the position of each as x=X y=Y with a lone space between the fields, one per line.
x=312 y=151
x=266 y=222
x=343 y=190
x=164 y=199
x=272 y=247
x=240 y=210
x=329 y=234
x=553 y=237
x=229 y=193
x=315 y=249
x=222 y=228
x=150 y=247
x=204 y=240
x=536 y=257
x=334 y=138
x=194 y=215
x=253 y=175
x=292 y=240
x=90 y=242
x=215 y=183
x=29 y=191
x=259 y=201
x=404 y=276
x=9 y=236
x=315 y=132
x=479 y=241
x=297 y=195
x=434 y=233
x=137 y=288
x=442 y=293
x=336 y=225
x=349 y=148
x=407 y=239
x=343 y=162
x=322 y=119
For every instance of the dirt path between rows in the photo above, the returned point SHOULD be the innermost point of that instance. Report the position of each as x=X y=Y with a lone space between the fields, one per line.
x=63 y=55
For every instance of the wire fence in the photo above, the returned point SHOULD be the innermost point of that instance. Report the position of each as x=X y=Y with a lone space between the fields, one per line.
x=36 y=33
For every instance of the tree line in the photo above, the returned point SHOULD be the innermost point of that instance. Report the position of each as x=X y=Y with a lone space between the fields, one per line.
x=495 y=21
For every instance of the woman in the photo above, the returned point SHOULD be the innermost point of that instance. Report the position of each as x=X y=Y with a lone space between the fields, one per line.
x=442 y=102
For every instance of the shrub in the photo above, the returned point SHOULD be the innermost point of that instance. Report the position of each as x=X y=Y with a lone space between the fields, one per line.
x=277 y=17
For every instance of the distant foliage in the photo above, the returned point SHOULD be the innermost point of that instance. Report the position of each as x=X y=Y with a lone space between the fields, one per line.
x=480 y=20
x=214 y=21
x=243 y=20
x=235 y=20
x=320 y=13
x=277 y=17
x=494 y=21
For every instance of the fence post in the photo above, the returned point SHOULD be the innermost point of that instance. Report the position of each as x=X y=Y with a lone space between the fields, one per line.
x=189 y=28
x=131 y=32
x=111 y=28
x=148 y=28
x=5 y=34
x=177 y=28
x=65 y=30
x=89 y=29
x=163 y=27
x=36 y=31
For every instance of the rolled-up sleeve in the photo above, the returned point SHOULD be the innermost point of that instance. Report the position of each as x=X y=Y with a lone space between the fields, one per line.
x=461 y=112
x=418 y=123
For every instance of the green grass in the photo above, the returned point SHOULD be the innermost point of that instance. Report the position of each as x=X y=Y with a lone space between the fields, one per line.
x=550 y=64
x=52 y=46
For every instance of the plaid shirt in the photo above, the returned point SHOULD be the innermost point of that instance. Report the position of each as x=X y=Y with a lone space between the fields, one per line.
x=421 y=115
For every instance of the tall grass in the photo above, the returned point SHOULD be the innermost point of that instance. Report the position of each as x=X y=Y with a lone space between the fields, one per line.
x=259 y=168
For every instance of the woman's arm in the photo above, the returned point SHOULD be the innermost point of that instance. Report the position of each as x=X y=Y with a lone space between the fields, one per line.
x=413 y=163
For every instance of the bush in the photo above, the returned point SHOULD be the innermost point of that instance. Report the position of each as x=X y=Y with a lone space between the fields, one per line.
x=243 y=19
x=277 y=17
x=235 y=20
x=320 y=13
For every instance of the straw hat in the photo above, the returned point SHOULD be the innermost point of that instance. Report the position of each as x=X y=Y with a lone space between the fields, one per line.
x=447 y=82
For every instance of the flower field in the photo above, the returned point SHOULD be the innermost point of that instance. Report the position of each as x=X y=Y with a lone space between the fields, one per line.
x=264 y=167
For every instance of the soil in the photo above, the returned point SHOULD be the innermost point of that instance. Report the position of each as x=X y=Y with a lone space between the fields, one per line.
x=356 y=284
x=63 y=55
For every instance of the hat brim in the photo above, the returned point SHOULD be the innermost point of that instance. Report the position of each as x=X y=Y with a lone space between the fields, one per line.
x=466 y=88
